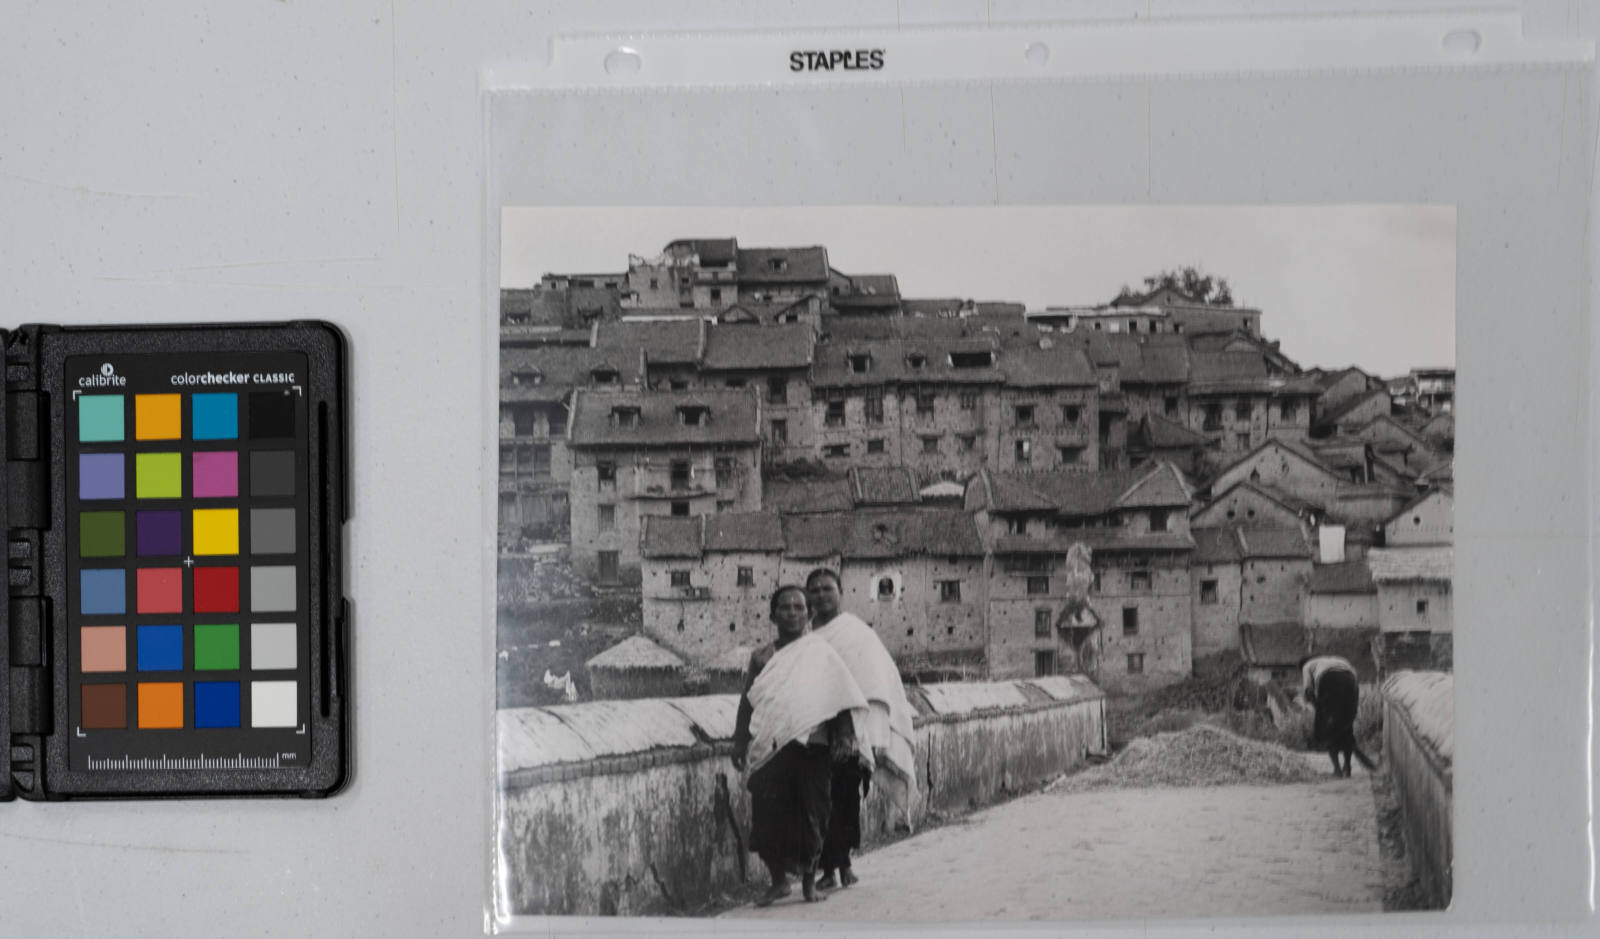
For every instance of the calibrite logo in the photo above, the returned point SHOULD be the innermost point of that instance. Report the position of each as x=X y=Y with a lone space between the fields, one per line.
x=108 y=377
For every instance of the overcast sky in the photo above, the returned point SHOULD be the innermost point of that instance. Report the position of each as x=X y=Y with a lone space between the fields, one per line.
x=1372 y=286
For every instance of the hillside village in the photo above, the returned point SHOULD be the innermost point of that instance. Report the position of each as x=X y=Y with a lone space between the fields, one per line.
x=716 y=420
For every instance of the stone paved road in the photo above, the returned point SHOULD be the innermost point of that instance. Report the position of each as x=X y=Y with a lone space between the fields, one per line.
x=1223 y=851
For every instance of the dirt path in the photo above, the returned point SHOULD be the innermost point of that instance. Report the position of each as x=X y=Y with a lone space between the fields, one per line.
x=1224 y=851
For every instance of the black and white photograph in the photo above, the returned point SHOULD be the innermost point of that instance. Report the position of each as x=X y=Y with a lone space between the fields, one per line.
x=894 y=565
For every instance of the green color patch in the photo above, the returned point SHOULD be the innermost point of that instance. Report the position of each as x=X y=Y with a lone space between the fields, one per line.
x=216 y=647
x=101 y=535
x=158 y=475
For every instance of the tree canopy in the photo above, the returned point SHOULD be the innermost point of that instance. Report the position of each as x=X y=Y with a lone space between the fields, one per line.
x=1190 y=281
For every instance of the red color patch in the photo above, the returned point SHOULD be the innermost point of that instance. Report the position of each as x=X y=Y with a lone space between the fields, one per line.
x=216 y=589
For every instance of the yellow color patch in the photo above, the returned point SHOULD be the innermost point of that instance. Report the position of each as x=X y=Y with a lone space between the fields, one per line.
x=157 y=417
x=216 y=531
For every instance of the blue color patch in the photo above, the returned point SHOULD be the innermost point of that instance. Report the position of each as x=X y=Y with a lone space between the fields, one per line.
x=160 y=648
x=215 y=416
x=102 y=591
x=216 y=704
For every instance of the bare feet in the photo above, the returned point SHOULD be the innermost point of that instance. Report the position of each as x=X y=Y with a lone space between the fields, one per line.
x=808 y=889
x=846 y=877
x=826 y=881
x=775 y=893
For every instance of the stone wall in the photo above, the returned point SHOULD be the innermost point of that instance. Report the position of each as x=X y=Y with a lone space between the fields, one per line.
x=1419 y=753
x=633 y=807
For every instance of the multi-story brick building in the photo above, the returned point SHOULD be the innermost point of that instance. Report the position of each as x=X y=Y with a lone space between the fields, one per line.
x=1234 y=400
x=637 y=453
x=1135 y=524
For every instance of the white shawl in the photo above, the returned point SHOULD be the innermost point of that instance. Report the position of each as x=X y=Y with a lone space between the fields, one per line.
x=888 y=726
x=804 y=684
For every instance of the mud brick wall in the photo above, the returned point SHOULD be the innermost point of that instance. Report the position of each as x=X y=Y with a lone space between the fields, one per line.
x=1419 y=753
x=632 y=807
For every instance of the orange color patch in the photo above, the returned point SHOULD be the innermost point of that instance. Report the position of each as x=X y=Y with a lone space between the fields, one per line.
x=157 y=417
x=161 y=704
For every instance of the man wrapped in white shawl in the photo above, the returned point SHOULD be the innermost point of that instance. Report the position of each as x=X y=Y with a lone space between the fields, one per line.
x=887 y=730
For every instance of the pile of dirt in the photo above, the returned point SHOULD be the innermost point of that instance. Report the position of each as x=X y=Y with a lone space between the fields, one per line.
x=1201 y=755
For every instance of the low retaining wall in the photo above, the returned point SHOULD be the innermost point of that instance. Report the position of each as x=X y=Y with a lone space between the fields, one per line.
x=1419 y=751
x=630 y=807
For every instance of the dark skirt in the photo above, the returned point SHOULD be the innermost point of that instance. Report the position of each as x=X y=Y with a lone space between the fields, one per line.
x=789 y=807
x=1338 y=694
x=844 y=820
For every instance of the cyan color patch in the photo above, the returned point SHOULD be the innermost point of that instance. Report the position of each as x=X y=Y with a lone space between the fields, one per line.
x=215 y=416
x=99 y=418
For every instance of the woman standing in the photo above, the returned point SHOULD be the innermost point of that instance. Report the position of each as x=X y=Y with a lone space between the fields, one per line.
x=799 y=708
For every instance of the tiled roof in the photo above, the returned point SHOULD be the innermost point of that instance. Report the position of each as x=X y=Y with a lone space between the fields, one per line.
x=713 y=252
x=1338 y=413
x=743 y=531
x=1095 y=539
x=1206 y=367
x=886 y=485
x=635 y=652
x=566 y=367
x=1215 y=546
x=786 y=345
x=1158 y=433
x=1293 y=504
x=667 y=536
x=904 y=361
x=1091 y=493
x=675 y=342
x=1274 y=543
x=1344 y=577
x=1273 y=645
x=801 y=265
x=865 y=534
x=733 y=418
x=1397 y=565
x=807 y=496
x=1039 y=361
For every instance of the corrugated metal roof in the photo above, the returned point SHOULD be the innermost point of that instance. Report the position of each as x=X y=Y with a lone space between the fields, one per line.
x=733 y=418
x=955 y=698
x=1430 y=563
x=635 y=652
x=1428 y=698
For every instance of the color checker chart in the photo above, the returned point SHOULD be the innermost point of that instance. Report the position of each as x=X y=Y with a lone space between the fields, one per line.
x=186 y=568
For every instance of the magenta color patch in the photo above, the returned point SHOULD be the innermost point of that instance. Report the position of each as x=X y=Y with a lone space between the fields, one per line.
x=216 y=474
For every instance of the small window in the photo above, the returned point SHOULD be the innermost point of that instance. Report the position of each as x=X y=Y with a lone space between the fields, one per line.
x=1024 y=415
x=1070 y=413
x=609 y=567
x=1158 y=519
x=724 y=505
x=777 y=390
x=724 y=467
x=678 y=384
x=1289 y=412
x=1241 y=441
x=924 y=403
x=604 y=376
x=1038 y=585
x=680 y=509
x=679 y=578
x=1017 y=526
x=834 y=417
x=1169 y=405
x=625 y=416
x=1096 y=585
x=780 y=431
x=1208 y=592
x=735 y=383
x=777 y=265
x=1044 y=662
x=872 y=406
x=607 y=475
x=608 y=517
x=1041 y=624
x=969 y=400
x=680 y=474
x=836 y=451
x=875 y=445
x=949 y=591
x=1139 y=581
x=968 y=441
x=1422 y=609
x=860 y=363
x=1130 y=621
x=1136 y=663
x=1213 y=419
x=692 y=416
x=1242 y=410
x=746 y=577
x=916 y=360
x=971 y=359
x=716 y=294
x=1070 y=454
x=1024 y=451
x=885 y=588
x=930 y=444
